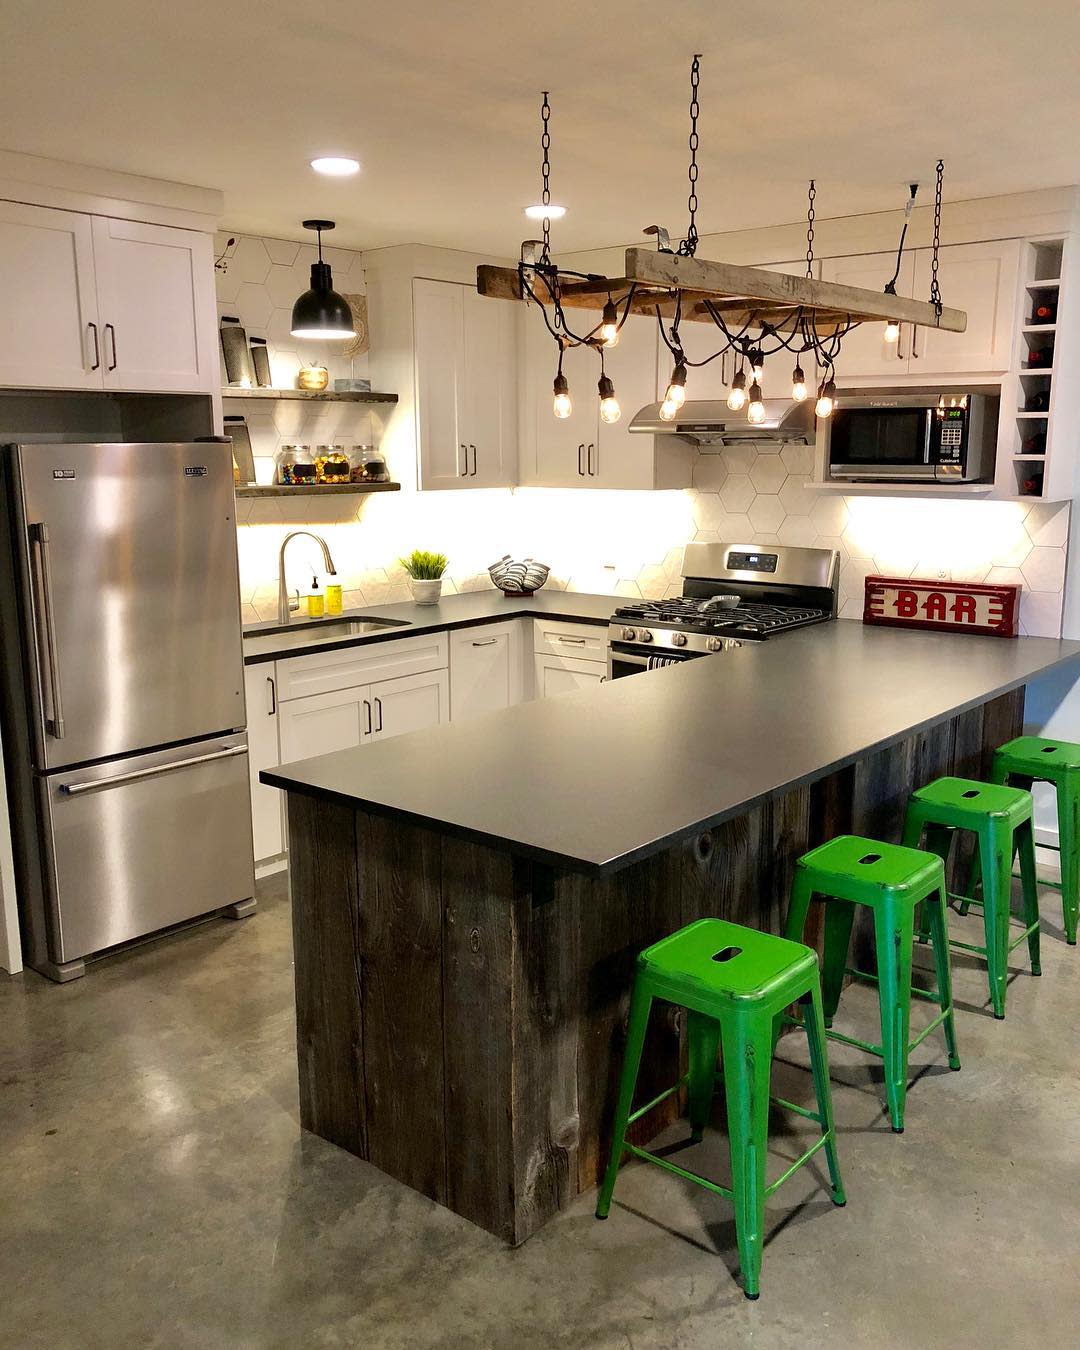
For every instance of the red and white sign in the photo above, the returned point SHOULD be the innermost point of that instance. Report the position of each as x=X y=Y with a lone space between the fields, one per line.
x=946 y=606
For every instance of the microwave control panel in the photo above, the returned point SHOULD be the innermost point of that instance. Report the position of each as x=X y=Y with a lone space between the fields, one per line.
x=951 y=429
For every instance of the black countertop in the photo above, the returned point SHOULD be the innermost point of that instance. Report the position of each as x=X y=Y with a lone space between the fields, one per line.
x=453 y=611
x=597 y=779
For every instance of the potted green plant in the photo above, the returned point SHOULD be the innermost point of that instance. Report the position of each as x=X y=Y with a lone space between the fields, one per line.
x=425 y=575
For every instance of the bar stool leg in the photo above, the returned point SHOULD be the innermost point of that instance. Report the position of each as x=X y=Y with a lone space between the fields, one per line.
x=1068 y=810
x=1025 y=846
x=839 y=920
x=814 y=1021
x=936 y=908
x=703 y=1041
x=893 y=939
x=995 y=858
x=747 y=1048
x=640 y=1005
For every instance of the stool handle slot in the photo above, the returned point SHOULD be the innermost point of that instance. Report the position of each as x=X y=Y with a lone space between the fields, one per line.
x=871 y=858
x=727 y=954
x=971 y=792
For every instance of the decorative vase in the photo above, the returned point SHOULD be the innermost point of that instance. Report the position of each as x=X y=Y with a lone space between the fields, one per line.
x=426 y=592
x=313 y=378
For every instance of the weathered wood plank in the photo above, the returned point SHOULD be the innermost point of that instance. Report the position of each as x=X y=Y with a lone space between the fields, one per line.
x=327 y=965
x=400 y=935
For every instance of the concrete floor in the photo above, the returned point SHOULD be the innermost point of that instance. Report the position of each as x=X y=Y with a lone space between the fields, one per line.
x=155 y=1189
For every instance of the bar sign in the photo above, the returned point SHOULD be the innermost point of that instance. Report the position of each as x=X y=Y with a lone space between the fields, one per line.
x=945 y=606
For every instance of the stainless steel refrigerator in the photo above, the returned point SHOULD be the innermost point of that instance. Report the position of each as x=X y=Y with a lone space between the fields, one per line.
x=123 y=701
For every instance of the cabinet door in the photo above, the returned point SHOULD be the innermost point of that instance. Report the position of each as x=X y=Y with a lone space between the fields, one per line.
x=323 y=722
x=978 y=278
x=864 y=351
x=489 y=426
x=616 y=458
x=439 y=351
x=485 y=669
x=155 y=288
x=260 y=693
x=564 y=675
x=49 y=318
x=557 y=447
x=410 y=704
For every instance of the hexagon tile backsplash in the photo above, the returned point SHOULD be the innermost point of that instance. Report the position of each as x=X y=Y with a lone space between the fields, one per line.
x=622 y=543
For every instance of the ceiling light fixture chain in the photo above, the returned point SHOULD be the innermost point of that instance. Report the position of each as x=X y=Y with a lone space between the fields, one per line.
x=688 y=247
x=935 y=287
x=811 y=216
x=545 y=171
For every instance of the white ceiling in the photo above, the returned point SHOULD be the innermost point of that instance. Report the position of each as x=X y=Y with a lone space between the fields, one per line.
x=440 y=102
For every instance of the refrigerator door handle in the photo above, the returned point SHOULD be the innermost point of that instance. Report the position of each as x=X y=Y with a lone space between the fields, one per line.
x=39 y=537
x=77 y=789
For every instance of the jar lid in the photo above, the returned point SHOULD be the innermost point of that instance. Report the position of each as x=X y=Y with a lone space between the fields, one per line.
x=363 y=447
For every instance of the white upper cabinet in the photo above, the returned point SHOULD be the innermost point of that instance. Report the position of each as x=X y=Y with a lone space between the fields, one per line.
x=978 y=278
x=466 y=386
x=95 y=303
x=155 y=289
x=557 y=447
x=49 y=332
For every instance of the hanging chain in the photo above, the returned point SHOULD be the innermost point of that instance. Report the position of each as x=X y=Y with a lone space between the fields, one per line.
x=545 y=171
x=935 y=288
x=811 y=215
x=688 y=247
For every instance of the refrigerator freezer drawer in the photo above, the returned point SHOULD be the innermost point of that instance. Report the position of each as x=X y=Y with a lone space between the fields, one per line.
x=138 y=844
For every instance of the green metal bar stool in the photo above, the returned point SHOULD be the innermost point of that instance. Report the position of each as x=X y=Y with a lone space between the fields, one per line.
x=1029 y=759
x=734 y=982
x=1000 y=817
x=892 y=882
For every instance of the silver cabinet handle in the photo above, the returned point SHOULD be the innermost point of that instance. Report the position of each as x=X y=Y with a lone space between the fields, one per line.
x=487 y=642
x=97 y=346
x=580 y=452
x=39 y=535
x=464 y=473
x=473 y=449
x=900 y=344
x=367 y=718
x=914 y=331
x=588 y=461
x=273 y=695
x=378 y=709
x=111 y=331
x=77 y=789
x=573 y=642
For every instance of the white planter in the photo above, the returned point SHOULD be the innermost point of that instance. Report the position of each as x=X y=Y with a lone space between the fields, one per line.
x=426 y=592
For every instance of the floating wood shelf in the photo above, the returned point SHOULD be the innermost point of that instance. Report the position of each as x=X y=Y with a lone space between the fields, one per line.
x=310 y=395
x=744 y=296
x=315 y=489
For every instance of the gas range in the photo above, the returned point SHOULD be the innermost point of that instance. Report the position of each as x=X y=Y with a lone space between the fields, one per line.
x=732 y=594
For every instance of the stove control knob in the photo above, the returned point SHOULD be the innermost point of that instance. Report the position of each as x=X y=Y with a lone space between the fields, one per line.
x=645 y=635
x=678 y=639
x=629 y=634
x=714 y=644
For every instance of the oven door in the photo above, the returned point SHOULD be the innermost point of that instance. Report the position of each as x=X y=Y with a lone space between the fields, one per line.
x=867 y=442
x=626 y=658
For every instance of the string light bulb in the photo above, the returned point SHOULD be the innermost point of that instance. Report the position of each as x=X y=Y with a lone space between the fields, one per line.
x=736 y=399
x=757 y=366
x=561 y=404
x=826 y=399
x=892 y=331
x=668 y=410
x=676 y=390
x=756 y=411
x=609 y=325
x=798 y=385
x=609 y=405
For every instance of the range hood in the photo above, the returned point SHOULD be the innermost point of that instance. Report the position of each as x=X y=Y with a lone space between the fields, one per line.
x=707 y=422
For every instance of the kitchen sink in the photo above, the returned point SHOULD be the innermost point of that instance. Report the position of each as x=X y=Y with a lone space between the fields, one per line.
x=326 y=630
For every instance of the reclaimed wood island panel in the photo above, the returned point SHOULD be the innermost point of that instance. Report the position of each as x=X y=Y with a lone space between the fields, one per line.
x=461 y=993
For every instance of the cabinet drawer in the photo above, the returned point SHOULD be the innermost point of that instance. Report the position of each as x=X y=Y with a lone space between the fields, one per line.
x=585 y=641
x=322 y=672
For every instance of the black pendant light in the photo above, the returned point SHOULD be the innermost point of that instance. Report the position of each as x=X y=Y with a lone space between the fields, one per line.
x=321 y=312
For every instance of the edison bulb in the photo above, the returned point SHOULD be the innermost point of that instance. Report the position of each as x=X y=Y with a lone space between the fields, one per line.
x=798 y=385
x=610 y=410
x=826 y=399
x=609 y=325
x=676 y=390
x=892 y=331
x=736 y=399
x=756 y=411
x=561 y=404
x=668 y=410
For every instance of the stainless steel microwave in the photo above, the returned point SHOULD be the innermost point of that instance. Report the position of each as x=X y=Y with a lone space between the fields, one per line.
x=945 y=436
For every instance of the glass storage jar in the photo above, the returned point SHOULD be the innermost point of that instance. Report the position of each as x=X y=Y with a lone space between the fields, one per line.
x=294 y=465
x=331 y=464
x=368 y=465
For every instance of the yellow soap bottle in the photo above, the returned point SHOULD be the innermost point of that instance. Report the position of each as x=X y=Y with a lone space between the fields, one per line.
x=315 y=605
x=333 y=598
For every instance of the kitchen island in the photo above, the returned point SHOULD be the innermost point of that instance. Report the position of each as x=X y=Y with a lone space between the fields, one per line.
x=468 y=901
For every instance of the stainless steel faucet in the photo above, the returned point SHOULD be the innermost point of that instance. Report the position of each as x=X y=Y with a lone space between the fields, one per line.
x=284 y=604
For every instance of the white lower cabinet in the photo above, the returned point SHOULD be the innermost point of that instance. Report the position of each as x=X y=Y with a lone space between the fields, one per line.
x=568 y=656
x=565 y=674
x=323 y=723
x=409 y=704
x=260 y=694
x=486 y=669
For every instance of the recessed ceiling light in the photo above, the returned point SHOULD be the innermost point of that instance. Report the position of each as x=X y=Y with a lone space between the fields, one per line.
x=335 y=166
x=549 y=212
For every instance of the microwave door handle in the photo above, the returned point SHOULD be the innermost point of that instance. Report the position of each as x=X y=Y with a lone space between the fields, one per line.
x=927 y=435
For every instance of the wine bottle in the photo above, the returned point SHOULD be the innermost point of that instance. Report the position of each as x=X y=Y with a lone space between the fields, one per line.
x=1044 y=311
x=1038 y=401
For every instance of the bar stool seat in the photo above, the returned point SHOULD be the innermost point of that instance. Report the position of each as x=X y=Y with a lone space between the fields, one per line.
x=892 y=882
x=734 y=982
x=1000 y=818
x=1035 y=759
